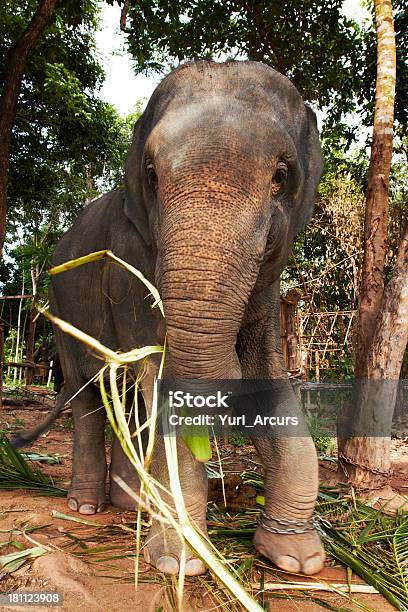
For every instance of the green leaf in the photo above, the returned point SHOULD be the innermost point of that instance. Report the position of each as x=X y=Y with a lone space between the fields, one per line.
x=13 y=561
x=400 y=551
x=17 y=473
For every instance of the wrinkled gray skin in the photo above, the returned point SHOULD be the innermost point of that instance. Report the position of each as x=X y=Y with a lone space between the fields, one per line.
x=221 y=175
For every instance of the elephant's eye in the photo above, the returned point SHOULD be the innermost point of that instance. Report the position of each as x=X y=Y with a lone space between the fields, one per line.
x=281 y=173
x=151 y=174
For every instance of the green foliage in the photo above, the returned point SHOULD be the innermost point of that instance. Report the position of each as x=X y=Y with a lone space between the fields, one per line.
x=13 y=561
x=327 y=256
x=48 y=194
x=61 y=83
x=319 y=427
x=238 y=439
x=366 y=92
x=326 y=259
x=65 y=142
x=9 y=345
x=109 y=432
x=68 y=146
x=68 y=424
x=311 y=42
x=329 y=57
x=17 y=473
x=365 y=539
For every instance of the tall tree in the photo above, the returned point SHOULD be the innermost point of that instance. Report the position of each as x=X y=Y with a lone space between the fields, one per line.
x=311 y=42
x=15 y=66
x=383 y=322
x=61 y=131
x=377 y=201
x=50 y=112
x=47 y=188
x=66 y=144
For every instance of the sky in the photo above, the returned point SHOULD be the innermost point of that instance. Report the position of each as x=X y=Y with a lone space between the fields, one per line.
x=122 y=87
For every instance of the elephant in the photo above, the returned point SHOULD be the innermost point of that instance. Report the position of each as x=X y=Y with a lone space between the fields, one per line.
x=221 y=175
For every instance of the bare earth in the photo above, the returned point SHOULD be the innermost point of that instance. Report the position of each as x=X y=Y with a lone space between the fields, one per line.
x=104 y=578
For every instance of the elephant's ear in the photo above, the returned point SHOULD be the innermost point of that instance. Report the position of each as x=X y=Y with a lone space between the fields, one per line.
x=312 y=162
x=134 y=205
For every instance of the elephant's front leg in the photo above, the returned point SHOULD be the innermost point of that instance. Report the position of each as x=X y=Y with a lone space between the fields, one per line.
x=87 y=491
x=162 y=548
x=285 y=534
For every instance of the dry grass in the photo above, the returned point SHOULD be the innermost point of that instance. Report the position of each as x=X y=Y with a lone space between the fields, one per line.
x=373 y=545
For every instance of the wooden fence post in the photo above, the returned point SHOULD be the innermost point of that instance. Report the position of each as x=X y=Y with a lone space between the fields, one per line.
x=289 y=331
x=31 y=341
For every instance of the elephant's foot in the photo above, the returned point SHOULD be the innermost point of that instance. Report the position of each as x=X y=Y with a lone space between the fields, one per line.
x=295 y=553
x=286 y=533
x=119 y=497
x=87 y=497
x=120 y=466
x=162 y=549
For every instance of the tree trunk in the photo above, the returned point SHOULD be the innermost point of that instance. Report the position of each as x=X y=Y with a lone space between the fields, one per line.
x=376 y=213
x=11 y=352
x=365 y=459
x=21 y=371
x=17 y=348
x=375 y=397
x=31 y=328
x=15 y=66
x=89 y=184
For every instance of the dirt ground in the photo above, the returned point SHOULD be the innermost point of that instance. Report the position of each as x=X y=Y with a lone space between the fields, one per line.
x=93 y=567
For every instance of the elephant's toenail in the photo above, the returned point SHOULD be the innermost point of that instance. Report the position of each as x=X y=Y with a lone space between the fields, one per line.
x=101 y=508
x=313 y=564
x=195 y=567
x=146 y=554
x=168 y=565
x=87 y=509
x=72 y=504
x=289 y=564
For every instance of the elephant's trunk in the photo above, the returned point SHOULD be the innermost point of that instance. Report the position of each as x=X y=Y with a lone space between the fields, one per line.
x=205 y=273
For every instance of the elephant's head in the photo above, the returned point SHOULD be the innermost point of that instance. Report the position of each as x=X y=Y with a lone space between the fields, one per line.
x=221 y=176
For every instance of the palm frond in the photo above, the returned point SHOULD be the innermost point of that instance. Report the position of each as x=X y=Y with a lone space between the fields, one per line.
x=364 y=539
x=400 y=554
x=13 y=561
x=18 y=473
